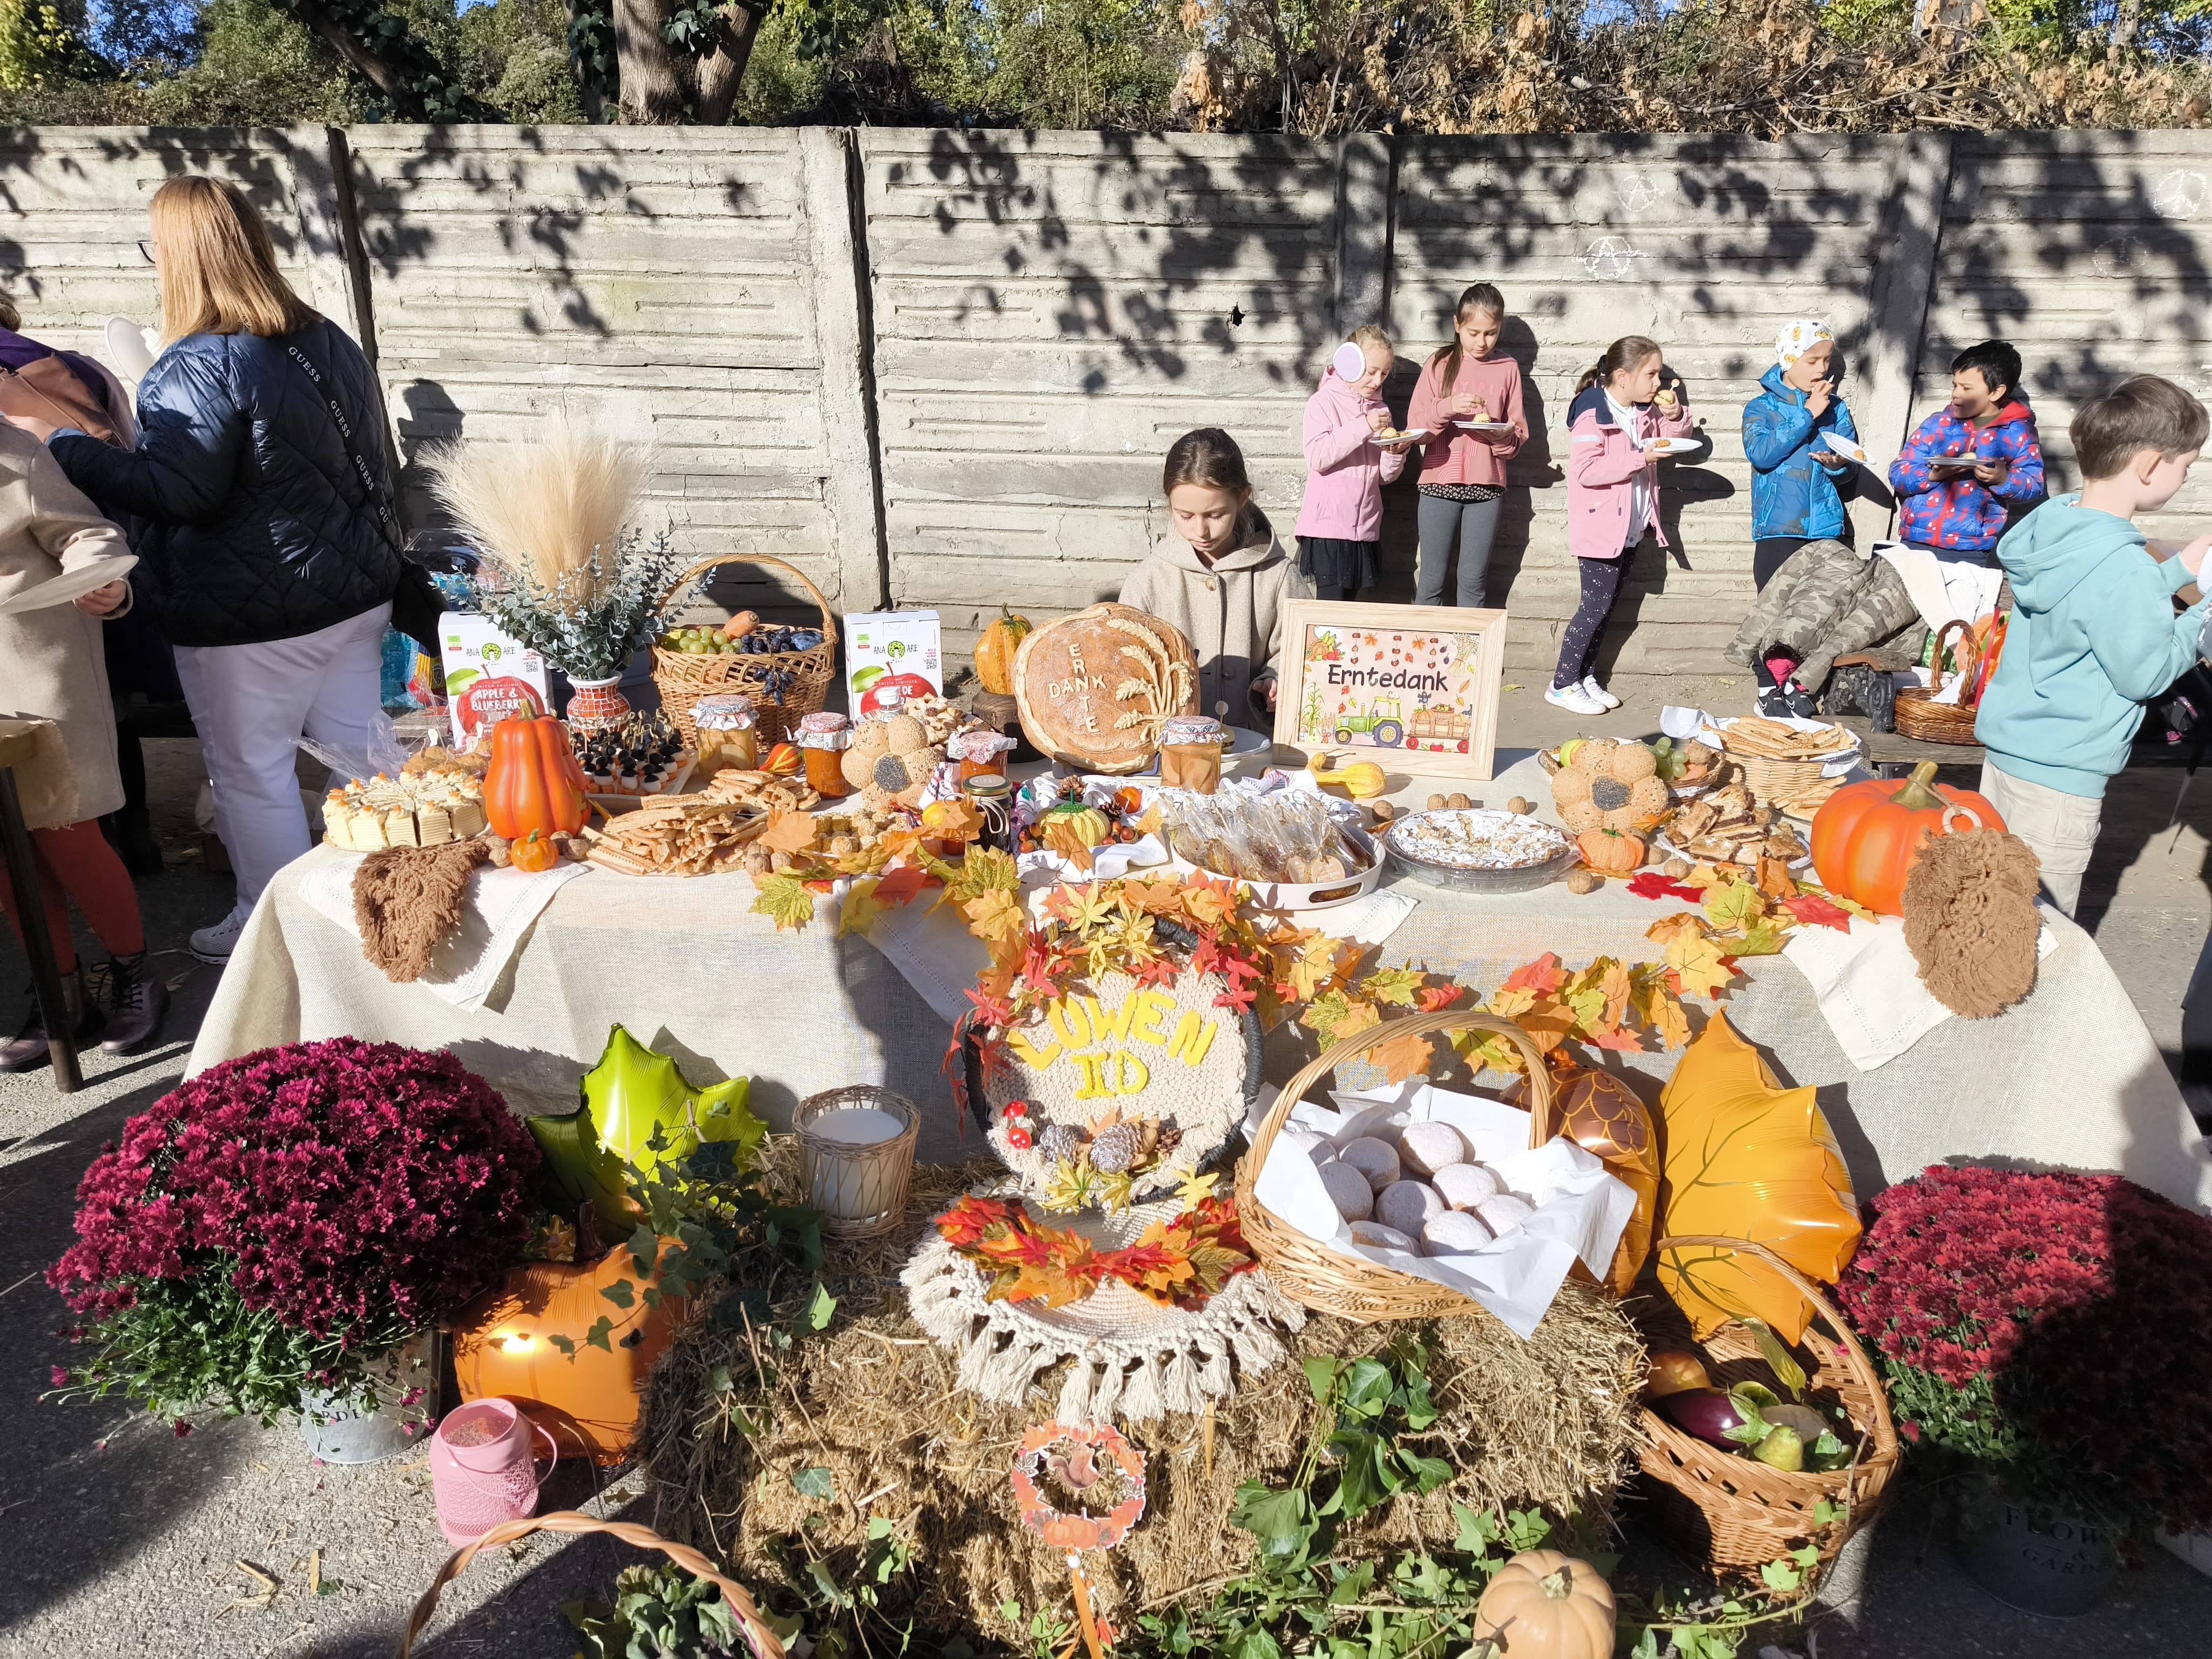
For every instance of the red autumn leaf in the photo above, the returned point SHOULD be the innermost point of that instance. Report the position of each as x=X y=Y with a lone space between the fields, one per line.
x=1812 y=910
x=1432 y=999
x=1652 y=884
x=900 y=885
x=1543 y=975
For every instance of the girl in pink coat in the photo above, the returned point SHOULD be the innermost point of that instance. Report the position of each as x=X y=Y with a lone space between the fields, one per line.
x=1347 y=462
x=1613 y=497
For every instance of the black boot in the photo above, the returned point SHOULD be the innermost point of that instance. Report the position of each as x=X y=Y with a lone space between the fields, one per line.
x=29 y=1048
x=136 y=1004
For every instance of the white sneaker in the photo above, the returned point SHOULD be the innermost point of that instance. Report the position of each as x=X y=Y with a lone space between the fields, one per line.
x=1598 y=692
x=214 y=945
x=1574 y=699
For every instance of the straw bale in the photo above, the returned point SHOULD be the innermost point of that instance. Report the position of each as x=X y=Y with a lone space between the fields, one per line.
x=1546 y=1422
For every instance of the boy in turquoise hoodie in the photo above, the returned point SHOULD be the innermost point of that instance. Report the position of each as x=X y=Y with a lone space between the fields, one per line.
x=2094 y=634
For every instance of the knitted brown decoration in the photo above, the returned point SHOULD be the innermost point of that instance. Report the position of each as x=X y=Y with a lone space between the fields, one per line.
x=405 y=899
x=1970 y=919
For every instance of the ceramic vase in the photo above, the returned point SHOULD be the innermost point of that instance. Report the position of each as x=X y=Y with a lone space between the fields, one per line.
x=597 y=704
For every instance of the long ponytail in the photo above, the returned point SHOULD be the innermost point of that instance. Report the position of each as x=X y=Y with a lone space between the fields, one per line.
x=1626 y=352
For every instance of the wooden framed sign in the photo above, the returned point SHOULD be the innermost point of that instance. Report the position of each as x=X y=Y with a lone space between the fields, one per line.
x=1420 y=681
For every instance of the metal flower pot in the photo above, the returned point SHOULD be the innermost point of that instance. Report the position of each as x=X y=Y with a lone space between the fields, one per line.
x=2038 y=1560
x=348 y=1429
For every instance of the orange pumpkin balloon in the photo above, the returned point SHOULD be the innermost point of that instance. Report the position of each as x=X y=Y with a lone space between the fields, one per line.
x=1747 y=1159
x=534 y=781
x=1865 y=839
x=589 y=1402
x=1604 y=1116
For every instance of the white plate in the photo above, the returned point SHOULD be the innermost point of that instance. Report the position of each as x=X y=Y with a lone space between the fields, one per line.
x=1494 y=429
x=1409 y=435
x=69 y=585
x=1834 y=763
x=1953 y=463
x=1659 y=839
x=1844 y=447
x=1673 y=448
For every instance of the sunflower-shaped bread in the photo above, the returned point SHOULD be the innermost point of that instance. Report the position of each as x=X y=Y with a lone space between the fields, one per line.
x=1610 y=785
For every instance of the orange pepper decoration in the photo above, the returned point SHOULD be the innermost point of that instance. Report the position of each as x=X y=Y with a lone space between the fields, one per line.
x=1747 y=1159
x=534 y=781
x=1865 y=839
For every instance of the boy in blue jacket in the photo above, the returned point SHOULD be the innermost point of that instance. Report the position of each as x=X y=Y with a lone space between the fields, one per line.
x=1972 y=462
x=1795 y=478
x=2094 y=634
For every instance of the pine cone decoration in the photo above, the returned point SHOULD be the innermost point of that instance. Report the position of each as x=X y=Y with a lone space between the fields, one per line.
x=1061 y=1143
x=1118 y=1147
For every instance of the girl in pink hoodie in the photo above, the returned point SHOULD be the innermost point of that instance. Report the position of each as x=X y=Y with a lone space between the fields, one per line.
x=1620 y=408
x=1468 y=399
x=1347 y=462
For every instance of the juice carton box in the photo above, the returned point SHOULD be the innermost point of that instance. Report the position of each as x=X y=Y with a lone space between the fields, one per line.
x=489 y=676
x=891 y=650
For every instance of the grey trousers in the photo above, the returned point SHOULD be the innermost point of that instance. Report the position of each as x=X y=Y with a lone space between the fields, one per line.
x=1476 y=525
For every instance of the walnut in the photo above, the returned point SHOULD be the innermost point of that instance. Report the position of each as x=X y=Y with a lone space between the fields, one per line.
x=1583 y=879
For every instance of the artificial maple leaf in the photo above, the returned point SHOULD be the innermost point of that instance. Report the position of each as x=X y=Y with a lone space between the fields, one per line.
x=952 y=820
x=1761 y=938
x=1398 y=986
x=1619 y=1037
x=1549 y=1023
x=1403 y=1057
x=1209 y=903
x=789 y=831
x=1434 y=998
x=1704 y=878
x=1683 y=924
x=1195 y=1189
x=1062 y=836
x=858 y=912
x=1157 y=898
x=1615 y=981
x=1544 y=976
x=1049 y=1283
x=1313 y=967
x=1357 y=1017
x=1239 y=993
x=1587 y=1002
x=984 y=870
x=1700 y=967
x=1814 y=910
x=1669 y=1022
x=1325 y=1014
x=995 y=916
x=785 y=901
x=1652 y=884
x=1096 y=906
x=1838 y=899
x=1740 y=904
x=900 y=885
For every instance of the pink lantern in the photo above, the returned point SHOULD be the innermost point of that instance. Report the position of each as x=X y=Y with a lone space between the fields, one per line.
x=482 y=1471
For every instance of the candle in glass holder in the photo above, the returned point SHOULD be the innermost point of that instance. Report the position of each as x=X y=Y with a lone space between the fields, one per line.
x=857 y=1126
x=858 y=1154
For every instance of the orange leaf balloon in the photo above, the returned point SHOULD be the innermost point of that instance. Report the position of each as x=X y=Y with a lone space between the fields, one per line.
x=1747 y=1159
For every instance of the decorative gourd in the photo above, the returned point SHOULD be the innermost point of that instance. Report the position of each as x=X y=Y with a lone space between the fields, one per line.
x=1086 y=825
x=1546 y=1605
x=1361 y=780
x=586 y=1398
x=995 y=651
x=1611 y=852
x=533 y=853
x=1865 y=839
x=783 y=761
x=534 y=781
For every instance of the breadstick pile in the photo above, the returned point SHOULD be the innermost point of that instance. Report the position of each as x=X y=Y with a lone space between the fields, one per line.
x=1755 y=737
x=697 y=835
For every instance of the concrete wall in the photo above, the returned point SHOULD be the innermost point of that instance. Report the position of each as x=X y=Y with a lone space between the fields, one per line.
x=937 y=367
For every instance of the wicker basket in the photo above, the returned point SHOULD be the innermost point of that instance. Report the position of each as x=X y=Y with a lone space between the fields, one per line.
x=1349 y=1287
x=764 y=1641
x=1920 y=716
x=684 y=677
x=1729 y=1513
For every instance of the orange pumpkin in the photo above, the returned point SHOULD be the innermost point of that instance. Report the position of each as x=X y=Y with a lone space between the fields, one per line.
x=1546 y=1605
x=589 y=1402
x=534 y=781
x=1610 y=852
x=1865 y=839
x=533 y=853
x=995 y=651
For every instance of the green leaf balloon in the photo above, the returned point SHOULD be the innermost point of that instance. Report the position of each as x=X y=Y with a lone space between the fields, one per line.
x=633 y=1092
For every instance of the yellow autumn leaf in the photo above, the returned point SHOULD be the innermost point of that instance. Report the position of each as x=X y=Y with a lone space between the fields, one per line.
x=860 y=911
x=1403 y=1057
x=997 y=917
x=1696 y=964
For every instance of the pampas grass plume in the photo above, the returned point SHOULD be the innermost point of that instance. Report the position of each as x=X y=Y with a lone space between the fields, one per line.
x=552 y=508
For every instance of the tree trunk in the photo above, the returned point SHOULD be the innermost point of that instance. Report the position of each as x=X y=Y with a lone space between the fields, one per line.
x=380 y=73
x=654 y=79
x=721 y=75
x=2128 y=24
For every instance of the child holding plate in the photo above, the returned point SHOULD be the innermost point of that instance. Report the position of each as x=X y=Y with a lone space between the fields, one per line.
x=1618 y=427
x=1800 y=441
x=1468 y=397
x=1972 y=463
x=1349 y=458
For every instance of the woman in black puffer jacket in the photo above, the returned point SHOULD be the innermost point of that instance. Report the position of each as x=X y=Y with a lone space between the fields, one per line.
x=261 y=508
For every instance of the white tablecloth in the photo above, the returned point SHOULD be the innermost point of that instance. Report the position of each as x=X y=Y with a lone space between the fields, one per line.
x=2071 y=1079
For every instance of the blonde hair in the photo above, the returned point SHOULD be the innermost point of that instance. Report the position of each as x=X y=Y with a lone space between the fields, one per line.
x=1371 y=334
x=218 y=267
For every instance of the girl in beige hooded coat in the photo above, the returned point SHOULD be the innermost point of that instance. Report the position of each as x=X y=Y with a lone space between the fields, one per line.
x=1221 y=578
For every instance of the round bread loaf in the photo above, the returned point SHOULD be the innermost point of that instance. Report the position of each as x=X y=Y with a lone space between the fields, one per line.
x=1406 y=1205
x=1348 y=1190
x=1376 y=1159
x=1503 y=1213
x=1467 y=1186
x=1453 y=1232
x=1426 y=1148
x=1388 y=1238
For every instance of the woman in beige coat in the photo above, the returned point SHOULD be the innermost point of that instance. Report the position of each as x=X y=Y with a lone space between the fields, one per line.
x=1221 y=578
x=52 y=667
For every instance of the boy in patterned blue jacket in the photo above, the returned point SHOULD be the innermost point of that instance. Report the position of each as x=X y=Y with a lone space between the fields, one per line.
x=1972 y=462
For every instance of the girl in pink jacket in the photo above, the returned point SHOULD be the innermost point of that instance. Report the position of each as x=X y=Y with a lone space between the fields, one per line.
x=1347 y=462
x=1613 y=497
x=1468 y=384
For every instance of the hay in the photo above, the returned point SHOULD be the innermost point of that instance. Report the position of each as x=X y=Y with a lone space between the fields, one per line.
x=1545 y=1423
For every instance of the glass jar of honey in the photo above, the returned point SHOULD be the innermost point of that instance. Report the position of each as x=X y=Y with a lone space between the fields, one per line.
x=824 y=737
x=1190 y=753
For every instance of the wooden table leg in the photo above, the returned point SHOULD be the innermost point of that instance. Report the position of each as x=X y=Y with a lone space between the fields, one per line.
x=38 y=944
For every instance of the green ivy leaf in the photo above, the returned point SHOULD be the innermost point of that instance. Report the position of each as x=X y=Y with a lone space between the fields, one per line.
x=601 y=1335
x=1282 y=1521
x=820 y=1308
x=1427 y=1472
x=1321 y=1376
x=1526 y=1530
x=1367 y=1391
x=1477 y=1530
x=1824 y=1513
x=622 y=1293
x=815 y=1483
x=1781 y=1575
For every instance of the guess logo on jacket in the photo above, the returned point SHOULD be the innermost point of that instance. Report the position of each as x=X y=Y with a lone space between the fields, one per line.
x=1957 y=509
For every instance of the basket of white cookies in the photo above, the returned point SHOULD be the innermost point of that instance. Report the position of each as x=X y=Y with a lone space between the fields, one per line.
x=1414 y=1202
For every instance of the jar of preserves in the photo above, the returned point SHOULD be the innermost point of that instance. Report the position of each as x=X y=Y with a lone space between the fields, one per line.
x=993 y=797
x=727 y=739
x=980 y=752
x=1190 y=753
x=824 y=737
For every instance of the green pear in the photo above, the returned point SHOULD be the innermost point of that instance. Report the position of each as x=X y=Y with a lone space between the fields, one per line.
x=1783 y=1448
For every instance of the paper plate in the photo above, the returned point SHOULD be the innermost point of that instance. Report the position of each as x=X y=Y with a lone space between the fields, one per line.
x=1675 y=448
x=69 y=585
x=131 y=349
x=1493 y=428
x=1410 y=431
x=1844 y=447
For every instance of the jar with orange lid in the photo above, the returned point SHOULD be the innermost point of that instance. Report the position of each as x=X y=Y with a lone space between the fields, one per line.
x=824 y=737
